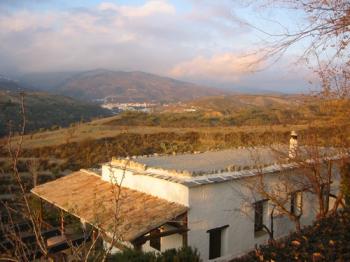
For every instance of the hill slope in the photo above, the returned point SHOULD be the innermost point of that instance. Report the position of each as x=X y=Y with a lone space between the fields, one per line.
x=231 y=104
x=120 y=86
x=237 y=102
x=7 y=84
x=43 y=110
x=46 y=81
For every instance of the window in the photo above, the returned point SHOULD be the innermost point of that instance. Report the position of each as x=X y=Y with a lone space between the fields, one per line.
x=215 y=241
x=296 y=203
x=259 y=213
x=155 y=241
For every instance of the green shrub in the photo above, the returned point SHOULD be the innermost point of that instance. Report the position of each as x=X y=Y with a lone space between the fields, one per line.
x=184 y=254
x=133 y=255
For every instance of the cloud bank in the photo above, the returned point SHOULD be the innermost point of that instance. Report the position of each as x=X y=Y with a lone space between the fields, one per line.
x=151 y=36
x=223 y=67
x=203 y=41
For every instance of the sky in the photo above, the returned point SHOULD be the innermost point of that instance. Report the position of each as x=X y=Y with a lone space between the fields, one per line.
x=213 y=43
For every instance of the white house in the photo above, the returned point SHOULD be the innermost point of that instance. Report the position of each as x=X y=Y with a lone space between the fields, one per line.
x=202 y=200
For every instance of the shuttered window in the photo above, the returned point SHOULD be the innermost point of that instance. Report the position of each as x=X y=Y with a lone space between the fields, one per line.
x=215 y=244
x=215 y=241
x=259 y=214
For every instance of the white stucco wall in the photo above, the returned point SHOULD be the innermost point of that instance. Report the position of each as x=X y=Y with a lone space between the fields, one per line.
x=167 y=190
x=214 y=206
x=217 y=205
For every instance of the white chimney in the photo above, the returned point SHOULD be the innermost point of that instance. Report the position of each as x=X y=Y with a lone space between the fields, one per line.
x=293 y=145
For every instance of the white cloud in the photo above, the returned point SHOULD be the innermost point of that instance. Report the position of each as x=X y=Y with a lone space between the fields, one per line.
x=148 y=9
x=152 y=36
x=24 y=20
x=224 y=67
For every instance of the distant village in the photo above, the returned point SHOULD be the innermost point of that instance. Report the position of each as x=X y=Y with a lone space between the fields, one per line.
x=146 y=107
x=121 y=107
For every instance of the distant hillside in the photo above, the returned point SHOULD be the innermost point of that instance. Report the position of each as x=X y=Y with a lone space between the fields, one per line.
x=121 y=86
x=7 y=84
x=236 y=110
x=232 y=103
x=43 y=110
x=46 y=81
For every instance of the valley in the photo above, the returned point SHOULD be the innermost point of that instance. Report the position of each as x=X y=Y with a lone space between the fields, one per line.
x=66 y=135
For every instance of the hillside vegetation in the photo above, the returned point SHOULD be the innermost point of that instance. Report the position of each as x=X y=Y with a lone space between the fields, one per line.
x=239 y=110
x=44 y=110
x=135 y=133
x=230 y=103
x=89 y=144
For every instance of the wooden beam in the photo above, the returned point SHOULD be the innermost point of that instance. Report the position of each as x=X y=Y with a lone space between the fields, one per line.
x=175 y=224
x=141 y=240
x=62 y=222
x=179 y=222
x=217 y=228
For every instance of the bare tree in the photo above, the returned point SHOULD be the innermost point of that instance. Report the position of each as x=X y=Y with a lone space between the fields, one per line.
x=310 y=171
x=318 y=172
x=325 y=30
x=21 y=250
x=33 y=167
x=325 y=33
x=279 y=190
x=280 y=194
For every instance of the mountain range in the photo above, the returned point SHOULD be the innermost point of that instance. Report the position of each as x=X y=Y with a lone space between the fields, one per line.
x=118 y=86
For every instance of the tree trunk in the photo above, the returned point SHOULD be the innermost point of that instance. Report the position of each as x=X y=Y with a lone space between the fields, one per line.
x=297 y=225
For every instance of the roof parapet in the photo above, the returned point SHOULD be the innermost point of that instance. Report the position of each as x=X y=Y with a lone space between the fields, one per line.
x=129 y=164
x=126 y=163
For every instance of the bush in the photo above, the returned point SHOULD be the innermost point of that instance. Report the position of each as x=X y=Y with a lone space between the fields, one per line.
x=327 y=240
x=184 y=254
x=181 y=254
x=133 y=255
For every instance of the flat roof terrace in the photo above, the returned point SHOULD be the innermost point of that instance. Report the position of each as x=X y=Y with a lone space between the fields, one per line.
x=193 y=169
x=212 y=161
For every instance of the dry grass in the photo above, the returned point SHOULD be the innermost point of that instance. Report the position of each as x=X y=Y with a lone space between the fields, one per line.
x=98 y=129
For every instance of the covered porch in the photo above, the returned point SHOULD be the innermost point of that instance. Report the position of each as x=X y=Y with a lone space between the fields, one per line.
x=123 y=217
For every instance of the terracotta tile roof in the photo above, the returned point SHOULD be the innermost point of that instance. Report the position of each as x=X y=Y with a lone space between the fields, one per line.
x=88 y=197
